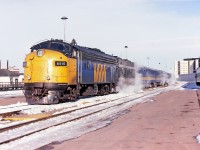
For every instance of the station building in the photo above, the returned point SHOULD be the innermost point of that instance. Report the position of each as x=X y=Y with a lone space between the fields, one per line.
x=10 y=74
x=186 y=68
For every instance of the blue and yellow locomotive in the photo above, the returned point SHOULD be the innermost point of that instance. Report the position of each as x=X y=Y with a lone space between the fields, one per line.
x=153 y=78
x=56 y=71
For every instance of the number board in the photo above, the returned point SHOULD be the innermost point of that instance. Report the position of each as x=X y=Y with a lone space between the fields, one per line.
x=60 y=63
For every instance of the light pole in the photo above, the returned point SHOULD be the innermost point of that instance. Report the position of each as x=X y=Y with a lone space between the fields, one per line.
x=64 y=21
x=126 y=51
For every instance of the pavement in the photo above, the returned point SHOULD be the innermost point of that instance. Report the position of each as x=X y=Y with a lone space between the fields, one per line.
x=11 y=101
x=170 y=122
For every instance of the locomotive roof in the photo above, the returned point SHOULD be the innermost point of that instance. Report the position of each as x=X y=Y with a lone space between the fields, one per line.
x=80 y=48
x=147 y=69
x=93 y=51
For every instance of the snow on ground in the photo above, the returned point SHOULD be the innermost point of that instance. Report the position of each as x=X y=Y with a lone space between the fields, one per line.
x=35 y=109
x=13 y=105
x=130 y=90
x=198 y=138
x=79 y=103
x=73 y=129
x=79 y=127
x=191 y=85
x=63 y=107
x=7 y=94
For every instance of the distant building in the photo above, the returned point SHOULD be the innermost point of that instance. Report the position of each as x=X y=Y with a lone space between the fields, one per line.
x=181 y=67
x=186 y=66
x=21 y=77
x=9 y=76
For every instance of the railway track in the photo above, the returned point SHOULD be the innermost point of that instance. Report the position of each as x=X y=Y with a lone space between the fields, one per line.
x=67 y=111
x=69 y=116
x=13 y=110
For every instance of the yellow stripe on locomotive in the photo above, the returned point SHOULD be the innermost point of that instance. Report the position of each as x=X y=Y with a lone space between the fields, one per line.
x=99 y=73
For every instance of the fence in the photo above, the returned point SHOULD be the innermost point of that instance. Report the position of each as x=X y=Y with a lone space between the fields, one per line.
x=4 y=86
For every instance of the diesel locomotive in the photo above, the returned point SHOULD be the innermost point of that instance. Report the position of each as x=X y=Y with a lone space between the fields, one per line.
x=56 y=71
x=153 y=78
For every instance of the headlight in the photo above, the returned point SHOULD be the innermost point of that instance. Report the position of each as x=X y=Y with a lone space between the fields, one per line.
x=24 y=64
x=40 y=53
x=28 y=77
x=48 y=77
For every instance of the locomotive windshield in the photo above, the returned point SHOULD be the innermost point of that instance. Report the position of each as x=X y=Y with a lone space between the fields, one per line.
x=60 y=47
x=40 y=46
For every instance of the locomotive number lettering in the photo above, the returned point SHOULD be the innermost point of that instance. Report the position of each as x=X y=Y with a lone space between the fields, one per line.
x=99 y=73
x=60 y=63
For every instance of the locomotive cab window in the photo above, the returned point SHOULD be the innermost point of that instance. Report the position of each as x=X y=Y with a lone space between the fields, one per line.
x=67 y=50
x=43 y=45
x=57 y=46
x=40 y=46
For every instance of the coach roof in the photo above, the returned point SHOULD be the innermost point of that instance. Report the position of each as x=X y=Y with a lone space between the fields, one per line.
x=5 y=72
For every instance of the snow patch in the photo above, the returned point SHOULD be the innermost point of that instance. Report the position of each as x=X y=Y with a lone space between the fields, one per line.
x=198 y=138
x=6 y=94
x=191 y=86
x=78 y=127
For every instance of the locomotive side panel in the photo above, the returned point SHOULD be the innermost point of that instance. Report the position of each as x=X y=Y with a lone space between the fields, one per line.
x=97 y=68
x=72 y=78
x=87 y=72
x=111 y=73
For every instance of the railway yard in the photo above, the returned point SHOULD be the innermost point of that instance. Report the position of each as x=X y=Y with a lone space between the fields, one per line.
x=100 y=75
x=159 y=118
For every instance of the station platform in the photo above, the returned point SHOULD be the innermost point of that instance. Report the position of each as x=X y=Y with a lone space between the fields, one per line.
x=170 y=121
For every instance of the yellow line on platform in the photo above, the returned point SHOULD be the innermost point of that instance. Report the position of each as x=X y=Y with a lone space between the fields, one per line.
x=27 y=117
x=85 y=103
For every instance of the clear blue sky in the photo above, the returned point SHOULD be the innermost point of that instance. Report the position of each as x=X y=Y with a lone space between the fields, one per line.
x=163 y=30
